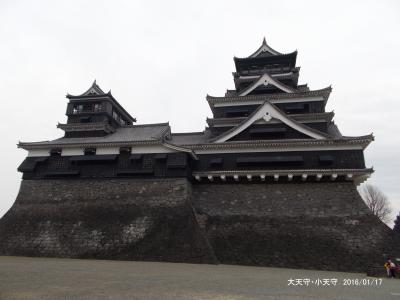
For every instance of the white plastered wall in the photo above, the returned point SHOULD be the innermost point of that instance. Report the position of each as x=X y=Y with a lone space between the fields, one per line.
x=38 y=152
x=72 y=151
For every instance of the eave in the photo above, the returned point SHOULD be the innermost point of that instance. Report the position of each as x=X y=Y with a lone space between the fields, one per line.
x=286 y=175
x=40 y=145
x=321 y=117
x=362 y=141
x=99 y=126
x=32 y=146
x=286 y=171
x=304 y=96
x=325 y=92
x=286 y=56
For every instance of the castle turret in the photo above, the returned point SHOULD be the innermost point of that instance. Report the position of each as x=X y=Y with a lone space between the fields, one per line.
x=94 y=113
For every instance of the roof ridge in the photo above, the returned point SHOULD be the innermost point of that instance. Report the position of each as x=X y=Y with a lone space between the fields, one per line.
x=266 y=79
x=146 y=125
x=188 y=133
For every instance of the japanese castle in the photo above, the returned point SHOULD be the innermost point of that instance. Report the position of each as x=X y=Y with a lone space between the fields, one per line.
x=271 y=181
x=268 y=129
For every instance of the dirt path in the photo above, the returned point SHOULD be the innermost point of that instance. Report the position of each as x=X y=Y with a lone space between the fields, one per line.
x=70 y=279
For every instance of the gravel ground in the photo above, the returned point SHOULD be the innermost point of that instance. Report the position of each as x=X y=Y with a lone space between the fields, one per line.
x=70 y=279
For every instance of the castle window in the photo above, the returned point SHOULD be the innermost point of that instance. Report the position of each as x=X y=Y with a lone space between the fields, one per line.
x=160 y=156
x=125 y=150
x=276 y=160
x=297 y=108
x=89 y=151
x=55 y=152
x=216 y=162
x=237 y=112
x=326 y=160
x=115 y=115
x=176 y=161
x=77 y=109
x=85 y=119
x=97 y=107
x=136 y=157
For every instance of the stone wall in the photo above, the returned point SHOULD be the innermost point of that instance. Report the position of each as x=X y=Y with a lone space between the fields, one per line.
x=305 y=225
x=114 y=219
x=297 y=225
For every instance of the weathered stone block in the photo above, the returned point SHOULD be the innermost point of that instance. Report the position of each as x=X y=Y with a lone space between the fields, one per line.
x=297 y=225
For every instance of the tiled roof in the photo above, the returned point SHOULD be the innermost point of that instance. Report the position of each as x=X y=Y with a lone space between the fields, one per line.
x=363 y=141
x=124 y=134
x=190 y=138
x=303 y=94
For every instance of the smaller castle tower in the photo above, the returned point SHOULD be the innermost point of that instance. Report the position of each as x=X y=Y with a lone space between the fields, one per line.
x=94 y=113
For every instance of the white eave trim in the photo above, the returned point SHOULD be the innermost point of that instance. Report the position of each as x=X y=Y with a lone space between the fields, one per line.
x=249 y=77
x=278 y=149
x=266 y=112
x=257 y=102
x=181 y=149
x=266 y=79
x=286 y=172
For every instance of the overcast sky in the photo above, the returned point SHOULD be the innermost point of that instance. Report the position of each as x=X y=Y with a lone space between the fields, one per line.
x=161 y=58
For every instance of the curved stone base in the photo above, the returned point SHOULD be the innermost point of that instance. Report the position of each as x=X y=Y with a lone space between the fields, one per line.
x=305 y=225
x=297 y=225
x=112 y=219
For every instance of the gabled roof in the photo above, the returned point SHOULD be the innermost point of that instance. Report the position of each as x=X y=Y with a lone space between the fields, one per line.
x=94 y=93
x=266 y=79
x=267 y=111
x=94 y=90
x=265 y=50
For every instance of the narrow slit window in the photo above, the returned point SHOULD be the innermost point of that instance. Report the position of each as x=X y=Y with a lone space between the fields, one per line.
x=90 y=151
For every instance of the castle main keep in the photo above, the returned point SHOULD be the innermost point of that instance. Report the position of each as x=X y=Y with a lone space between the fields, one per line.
x=271 y=182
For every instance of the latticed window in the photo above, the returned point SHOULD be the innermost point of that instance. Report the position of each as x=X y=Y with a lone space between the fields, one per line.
x=77 y=109
x=58 y=163
x=55 y=152
x=115 y=115
x=90 y=151
x=147 y=162
x=123 y=159
x=97 y=107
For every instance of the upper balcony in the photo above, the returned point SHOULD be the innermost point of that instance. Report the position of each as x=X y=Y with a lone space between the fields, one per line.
x=88 y=108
